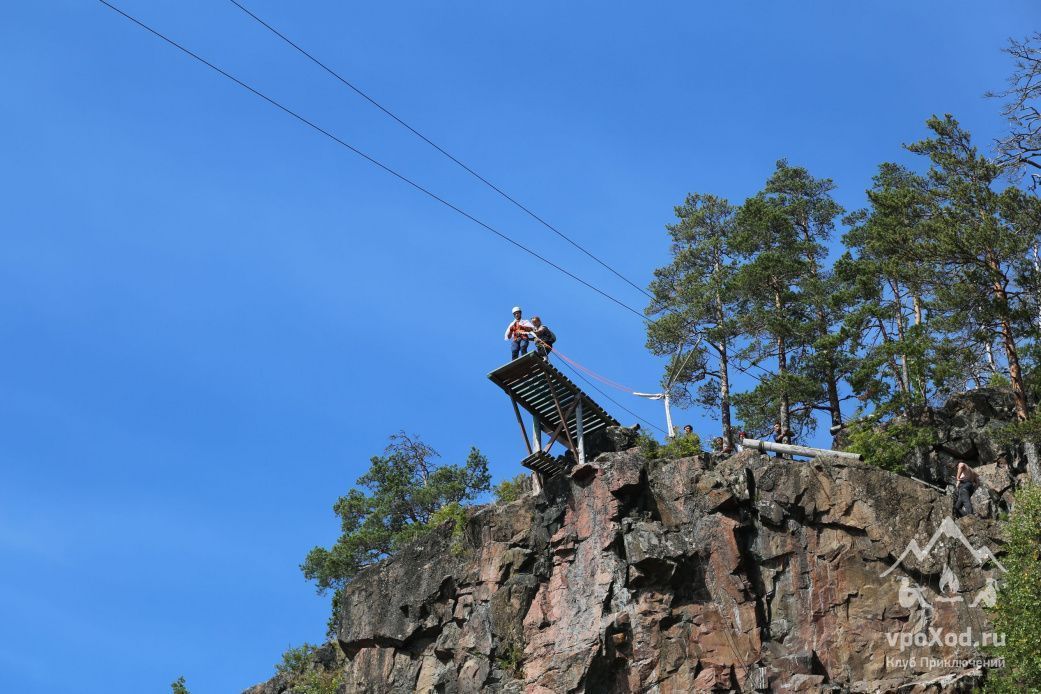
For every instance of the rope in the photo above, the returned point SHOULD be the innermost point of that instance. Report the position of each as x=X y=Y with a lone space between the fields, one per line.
x=602 y=379
x=620 y=405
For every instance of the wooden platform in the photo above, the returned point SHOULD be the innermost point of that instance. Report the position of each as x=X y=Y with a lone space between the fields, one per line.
x=557 y=406
x=542 y=462
x=532 y=382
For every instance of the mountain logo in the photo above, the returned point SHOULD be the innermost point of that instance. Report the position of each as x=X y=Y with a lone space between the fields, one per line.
x=912 y=594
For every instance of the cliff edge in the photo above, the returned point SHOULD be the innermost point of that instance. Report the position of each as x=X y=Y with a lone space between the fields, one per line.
x=747 y=573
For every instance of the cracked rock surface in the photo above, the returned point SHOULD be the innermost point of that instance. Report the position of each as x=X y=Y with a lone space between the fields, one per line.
x=748 y=573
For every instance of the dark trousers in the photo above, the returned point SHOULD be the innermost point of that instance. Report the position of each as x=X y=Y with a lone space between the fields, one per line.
x=518 y=347
x=963 y=499
x=544 y=350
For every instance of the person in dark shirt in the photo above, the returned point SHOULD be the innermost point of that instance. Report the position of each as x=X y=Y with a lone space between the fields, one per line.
x=543 y=336
x=968 y=481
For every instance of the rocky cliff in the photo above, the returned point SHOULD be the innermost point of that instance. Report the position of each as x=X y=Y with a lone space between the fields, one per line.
x=747 y=573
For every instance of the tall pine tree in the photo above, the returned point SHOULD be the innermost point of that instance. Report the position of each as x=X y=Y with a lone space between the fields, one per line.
x=694 y=298
x=980 y=238
x=775 y=318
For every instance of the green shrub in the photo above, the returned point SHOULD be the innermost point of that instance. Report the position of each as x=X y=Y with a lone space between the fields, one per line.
x=318 y=682
x=1014 y=433
x=179 y=687
x=678 y=447
x=888 y=447
x=511 y=659
x=648 y=446
x=456 y=514
x=299 y=669
x=296 y=661
x=681 y=447
x=511 y=490
x=1017 y=613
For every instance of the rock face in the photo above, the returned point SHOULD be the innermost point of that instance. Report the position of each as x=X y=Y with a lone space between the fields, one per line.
x=965 y=432
x=747 y=573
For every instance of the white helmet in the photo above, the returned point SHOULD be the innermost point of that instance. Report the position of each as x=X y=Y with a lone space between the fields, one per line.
x=516 y=309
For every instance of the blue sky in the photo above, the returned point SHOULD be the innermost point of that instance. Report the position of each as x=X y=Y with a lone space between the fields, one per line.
x=213 y=316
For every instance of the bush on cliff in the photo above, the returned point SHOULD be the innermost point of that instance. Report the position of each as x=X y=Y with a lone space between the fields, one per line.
x=677 y=447
x=1017 y=613
x=890 y=446
x=510 y=490
x=405 y=495
x=303 y=673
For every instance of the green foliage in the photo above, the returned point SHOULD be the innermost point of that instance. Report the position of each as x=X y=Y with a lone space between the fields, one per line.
x=681 y=447
x=648 y=446
x=510 y=659
x=981 y=235
x=319 y=682
x=1014 y=433
x=678 y=447
x=889 y=447
x=793 y=304
x=510 y=490
x=405 y=492
x=1017 y=613
x=178 y=687
x=296 y=661
x=998 y=380
x=696 y=306
x=299 y=669
x=938 y=290
x=905 y=362
x=332 y=625
x=455 y=514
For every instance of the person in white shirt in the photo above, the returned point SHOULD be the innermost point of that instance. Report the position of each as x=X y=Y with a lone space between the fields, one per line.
x=518 y=333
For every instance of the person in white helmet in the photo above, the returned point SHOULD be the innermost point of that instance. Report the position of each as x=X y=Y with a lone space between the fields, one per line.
x=518 y=333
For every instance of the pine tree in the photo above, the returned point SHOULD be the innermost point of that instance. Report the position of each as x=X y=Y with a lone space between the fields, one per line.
x=900 y=366
x=693 y=297
x=808 y=205
x=1020 y=148
x=408 y=495
x=980 y=238
x=775 y=261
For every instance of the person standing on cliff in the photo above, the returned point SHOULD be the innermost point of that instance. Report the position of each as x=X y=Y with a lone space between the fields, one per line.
x=968 y=481
x=781 y=436
x=543 y=336
x=518 y=333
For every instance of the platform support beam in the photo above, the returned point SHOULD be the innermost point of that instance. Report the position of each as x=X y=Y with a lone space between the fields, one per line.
x=520 y=421
x=536 y=439
x=581 y=436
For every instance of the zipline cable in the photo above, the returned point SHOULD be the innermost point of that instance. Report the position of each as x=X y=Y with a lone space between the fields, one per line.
x=415 y=185
x=423 y=137
x=370 y=159
x=620 y=405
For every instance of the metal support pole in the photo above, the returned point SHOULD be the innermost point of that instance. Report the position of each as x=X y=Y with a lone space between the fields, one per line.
x=580 y=435
x=764 y=446
x=536 y=439
x=668 y=419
